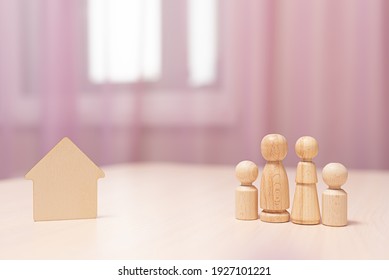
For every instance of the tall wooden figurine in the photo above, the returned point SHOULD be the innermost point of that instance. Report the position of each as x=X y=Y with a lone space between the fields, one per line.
x=274 y=193
x=305 y=209
x=246 y=195
x=334 y=204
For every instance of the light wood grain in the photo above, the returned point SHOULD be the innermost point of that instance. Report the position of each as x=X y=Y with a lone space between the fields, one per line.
x=334 y=206
x=182 y=211
x=246 y=203
x=305 y=208
x=246 y=195
x=274 y=192
x=65 y=184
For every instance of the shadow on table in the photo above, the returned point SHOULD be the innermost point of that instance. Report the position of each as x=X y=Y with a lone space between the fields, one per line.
x=353 y=223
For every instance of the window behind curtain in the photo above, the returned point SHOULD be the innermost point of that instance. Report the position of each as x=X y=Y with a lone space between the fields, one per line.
x=153 y=41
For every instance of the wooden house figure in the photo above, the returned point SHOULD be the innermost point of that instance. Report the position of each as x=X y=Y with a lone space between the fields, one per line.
x=65 y=184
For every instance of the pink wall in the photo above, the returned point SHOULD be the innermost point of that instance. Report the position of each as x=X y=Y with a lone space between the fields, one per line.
x=293 y=67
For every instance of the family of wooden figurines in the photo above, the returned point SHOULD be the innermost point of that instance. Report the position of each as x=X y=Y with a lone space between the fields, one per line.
x=274 y=190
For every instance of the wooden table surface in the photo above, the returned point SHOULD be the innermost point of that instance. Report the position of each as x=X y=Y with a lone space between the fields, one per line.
x=178 y=211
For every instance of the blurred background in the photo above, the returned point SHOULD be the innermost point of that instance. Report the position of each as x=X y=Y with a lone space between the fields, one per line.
x=193 y=81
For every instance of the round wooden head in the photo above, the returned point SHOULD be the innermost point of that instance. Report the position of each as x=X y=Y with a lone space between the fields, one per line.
x=247 y=172
x=335 y=175
x=307 y=148
x=274 y=147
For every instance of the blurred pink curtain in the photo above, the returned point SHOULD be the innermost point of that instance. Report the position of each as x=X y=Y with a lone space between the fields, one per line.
x=55 y=50
x=315 y=68
x=298 y=68
x=9 y=69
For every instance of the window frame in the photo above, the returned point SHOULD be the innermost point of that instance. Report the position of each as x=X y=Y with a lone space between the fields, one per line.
x=210 y=105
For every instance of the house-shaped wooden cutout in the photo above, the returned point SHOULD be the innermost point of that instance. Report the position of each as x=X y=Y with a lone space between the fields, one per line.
x=65 y=184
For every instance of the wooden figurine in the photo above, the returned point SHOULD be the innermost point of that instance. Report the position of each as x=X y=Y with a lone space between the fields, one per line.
x=334 y=204
x=274 y=193
x=64 y=184
x=305 y=209
x=246 y=195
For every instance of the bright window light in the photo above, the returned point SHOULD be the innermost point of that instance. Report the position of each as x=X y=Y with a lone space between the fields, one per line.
x=202 y=41
x=124 y=40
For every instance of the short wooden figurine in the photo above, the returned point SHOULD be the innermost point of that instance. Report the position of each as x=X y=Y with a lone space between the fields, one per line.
x=274 y=193
x=64 y=184
x=246 y=195
x=305 y=209
x=334 y=204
